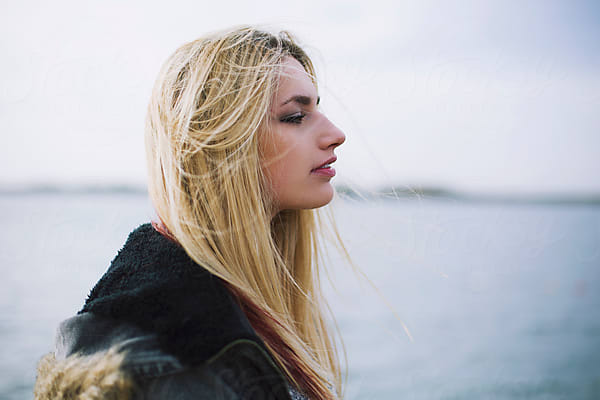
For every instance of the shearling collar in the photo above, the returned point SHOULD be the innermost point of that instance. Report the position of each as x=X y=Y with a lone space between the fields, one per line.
x=153 y=284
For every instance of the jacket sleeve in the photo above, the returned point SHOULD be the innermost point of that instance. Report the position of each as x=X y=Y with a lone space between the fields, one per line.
x=242 y=370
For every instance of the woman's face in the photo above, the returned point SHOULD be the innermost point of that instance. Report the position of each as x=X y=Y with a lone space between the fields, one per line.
x=298 y=148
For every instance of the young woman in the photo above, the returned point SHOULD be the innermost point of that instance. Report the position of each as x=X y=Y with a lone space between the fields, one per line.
x=220 y=297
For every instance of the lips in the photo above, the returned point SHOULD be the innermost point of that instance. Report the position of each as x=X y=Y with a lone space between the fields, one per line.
x=325 y=168
x=327 y=163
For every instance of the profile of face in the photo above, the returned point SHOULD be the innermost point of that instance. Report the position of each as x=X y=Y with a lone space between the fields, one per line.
x=298 y=148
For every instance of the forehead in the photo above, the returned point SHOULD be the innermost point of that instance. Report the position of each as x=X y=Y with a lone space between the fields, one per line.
x=294 y=80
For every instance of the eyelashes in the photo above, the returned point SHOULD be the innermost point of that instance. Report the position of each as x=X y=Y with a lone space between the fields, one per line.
x=295 y=118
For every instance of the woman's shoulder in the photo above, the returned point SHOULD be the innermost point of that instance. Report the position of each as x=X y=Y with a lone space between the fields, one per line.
x=154 y=285
x=100 y=357
x=158 y=318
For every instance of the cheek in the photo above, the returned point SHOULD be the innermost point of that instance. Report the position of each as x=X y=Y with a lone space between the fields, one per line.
x=273 y=164
x=278 y=155
x=282 y=169
x=275 y=173
x=284 y=173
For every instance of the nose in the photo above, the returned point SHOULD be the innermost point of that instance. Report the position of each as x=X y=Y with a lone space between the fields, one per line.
x=331 y=136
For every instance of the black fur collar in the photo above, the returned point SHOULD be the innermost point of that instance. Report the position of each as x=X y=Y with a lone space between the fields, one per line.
x=155 y=285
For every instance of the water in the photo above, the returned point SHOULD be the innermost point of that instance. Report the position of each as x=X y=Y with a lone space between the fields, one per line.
x=501 y=301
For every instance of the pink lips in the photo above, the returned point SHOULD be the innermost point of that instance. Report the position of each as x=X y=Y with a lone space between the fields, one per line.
x=325 y=169
x=329 y=172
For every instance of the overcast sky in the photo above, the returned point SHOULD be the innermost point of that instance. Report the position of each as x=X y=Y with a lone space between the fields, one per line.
x=489 y=96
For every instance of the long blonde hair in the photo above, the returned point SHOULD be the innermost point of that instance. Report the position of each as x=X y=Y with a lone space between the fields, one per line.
x=208 y=105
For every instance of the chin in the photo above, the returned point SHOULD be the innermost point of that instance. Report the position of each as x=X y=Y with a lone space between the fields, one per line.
x=303 y=202
x=321 y=200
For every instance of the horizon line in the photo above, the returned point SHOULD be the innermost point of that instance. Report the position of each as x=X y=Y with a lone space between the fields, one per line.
x=384 y=192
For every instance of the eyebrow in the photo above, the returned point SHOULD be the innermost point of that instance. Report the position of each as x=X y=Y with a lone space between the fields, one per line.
x=301 y=99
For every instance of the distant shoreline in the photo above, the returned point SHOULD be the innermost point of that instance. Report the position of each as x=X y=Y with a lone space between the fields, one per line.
x=405 y=193
x=74 y=189
x=416 y=192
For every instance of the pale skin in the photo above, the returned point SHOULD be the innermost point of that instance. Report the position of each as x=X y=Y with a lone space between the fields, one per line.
x=299 y=147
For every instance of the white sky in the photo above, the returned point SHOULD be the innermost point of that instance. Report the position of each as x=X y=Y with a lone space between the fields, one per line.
x=485 y=96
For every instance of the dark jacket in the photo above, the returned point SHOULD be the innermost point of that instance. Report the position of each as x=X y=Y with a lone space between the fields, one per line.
x=159 y=326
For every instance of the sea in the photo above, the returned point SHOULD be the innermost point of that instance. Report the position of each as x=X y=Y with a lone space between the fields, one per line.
x=442 y=299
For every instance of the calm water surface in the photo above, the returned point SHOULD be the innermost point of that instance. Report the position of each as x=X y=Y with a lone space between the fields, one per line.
x=484 y=301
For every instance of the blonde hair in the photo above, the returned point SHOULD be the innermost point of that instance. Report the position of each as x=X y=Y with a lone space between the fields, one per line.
x=209 y=103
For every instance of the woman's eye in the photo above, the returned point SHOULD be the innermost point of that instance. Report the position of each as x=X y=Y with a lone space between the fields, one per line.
x=294 y=118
